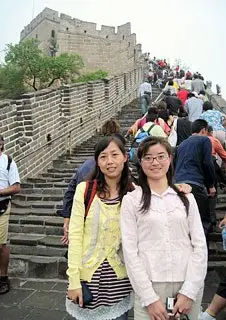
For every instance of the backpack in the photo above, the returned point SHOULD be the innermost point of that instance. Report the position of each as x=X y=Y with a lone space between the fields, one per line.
x=89 y=194
x=135 y=143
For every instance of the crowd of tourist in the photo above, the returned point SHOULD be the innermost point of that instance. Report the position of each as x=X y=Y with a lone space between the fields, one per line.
x=155 y=226
x=142 y=242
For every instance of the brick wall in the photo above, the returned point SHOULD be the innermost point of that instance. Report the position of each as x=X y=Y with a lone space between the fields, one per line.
x=37 y=127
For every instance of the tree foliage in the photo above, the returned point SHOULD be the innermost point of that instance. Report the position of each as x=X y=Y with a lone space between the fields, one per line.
x=29 y=66
x=92 y=76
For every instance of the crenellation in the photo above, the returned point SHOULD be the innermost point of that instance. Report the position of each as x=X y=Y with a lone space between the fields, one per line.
x=113 y=51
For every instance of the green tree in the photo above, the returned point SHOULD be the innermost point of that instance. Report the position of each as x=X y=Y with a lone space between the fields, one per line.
x=63 y=67
x=27 y=57
x=11 y=81
x=92 y=76
x=38 y=70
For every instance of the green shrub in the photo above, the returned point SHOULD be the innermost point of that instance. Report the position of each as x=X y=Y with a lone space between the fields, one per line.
x=92 y=76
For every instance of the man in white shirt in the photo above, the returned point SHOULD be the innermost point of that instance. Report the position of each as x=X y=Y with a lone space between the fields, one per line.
x=145 y=94
x=9 y=185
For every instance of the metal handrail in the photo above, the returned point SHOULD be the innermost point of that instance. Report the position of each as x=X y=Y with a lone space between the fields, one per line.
x=67 y=133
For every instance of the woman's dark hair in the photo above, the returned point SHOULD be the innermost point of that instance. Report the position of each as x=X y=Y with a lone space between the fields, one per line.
x=152 y=114
x=207 y=106
x=110 y=127
x=142 y=178
x=125 y=183
x=202 y=92
x=161 y=105
x=190 y=95
x=170 y=83
x=163 y=114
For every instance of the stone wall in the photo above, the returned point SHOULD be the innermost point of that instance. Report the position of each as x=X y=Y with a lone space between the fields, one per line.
x=37 y=128
x=115 y=52
x=218 y=102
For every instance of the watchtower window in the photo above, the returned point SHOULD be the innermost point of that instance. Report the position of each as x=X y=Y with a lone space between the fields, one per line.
x=123 y=37
x=36 y=36
x=106 y=37
x=67 y=28
x=84 y=31
x=53 y=33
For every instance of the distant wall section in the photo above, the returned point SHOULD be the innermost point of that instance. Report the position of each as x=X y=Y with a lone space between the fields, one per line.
x=105 y=49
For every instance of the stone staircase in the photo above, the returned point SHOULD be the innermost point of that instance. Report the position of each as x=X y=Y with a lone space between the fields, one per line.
x=36 y=227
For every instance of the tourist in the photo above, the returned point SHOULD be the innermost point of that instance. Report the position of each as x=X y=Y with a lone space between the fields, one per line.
x=9 y=185
x=163 y=240
x=94 y=254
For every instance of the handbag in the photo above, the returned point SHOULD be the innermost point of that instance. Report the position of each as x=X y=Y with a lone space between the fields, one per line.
x=4 y=206
x=86 y=294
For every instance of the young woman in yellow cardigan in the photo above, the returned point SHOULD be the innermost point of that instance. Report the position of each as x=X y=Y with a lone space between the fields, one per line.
x=94 y=252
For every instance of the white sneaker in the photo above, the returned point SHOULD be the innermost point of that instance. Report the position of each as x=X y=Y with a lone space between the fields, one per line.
x=205 y=316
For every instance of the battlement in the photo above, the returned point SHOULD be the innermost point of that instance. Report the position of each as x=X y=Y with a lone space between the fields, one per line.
x=63 y=22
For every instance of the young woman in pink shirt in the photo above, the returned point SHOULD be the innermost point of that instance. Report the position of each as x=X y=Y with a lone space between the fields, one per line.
x=163 y=239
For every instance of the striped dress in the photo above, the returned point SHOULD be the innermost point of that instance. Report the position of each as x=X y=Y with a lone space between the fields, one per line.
x=112 y=297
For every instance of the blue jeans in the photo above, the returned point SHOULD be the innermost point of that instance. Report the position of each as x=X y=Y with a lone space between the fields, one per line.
x=123 y=317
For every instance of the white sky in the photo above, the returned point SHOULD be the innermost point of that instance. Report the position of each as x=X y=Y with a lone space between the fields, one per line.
x=193 y=30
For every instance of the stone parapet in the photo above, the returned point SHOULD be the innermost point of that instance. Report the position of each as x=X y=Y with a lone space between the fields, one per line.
x=43 y=125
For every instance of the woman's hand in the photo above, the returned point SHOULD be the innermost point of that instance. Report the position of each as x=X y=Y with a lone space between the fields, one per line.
x=223 y=222
x=75 y=296
x=157 y=311
x=184 y=187
x=183 y=305
x=64 y=239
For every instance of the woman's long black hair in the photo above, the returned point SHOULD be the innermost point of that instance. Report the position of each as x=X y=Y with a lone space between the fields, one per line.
x=125 y=183
x=142 y=178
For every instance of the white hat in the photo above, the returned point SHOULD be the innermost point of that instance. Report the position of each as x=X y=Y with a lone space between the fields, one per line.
x=195 y=94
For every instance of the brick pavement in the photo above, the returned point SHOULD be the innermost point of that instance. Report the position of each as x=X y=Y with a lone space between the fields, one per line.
x=37 y=299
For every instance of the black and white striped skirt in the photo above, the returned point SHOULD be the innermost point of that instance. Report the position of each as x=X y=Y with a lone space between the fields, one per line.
x=112 y=297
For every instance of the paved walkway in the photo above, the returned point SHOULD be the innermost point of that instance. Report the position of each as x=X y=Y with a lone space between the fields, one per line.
x=45 y=300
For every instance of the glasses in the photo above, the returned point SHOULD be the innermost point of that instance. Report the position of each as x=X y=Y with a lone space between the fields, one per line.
x=159 y=158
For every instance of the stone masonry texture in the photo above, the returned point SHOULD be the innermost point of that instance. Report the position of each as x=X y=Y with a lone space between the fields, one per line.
x=43 y=125
x=114 y=52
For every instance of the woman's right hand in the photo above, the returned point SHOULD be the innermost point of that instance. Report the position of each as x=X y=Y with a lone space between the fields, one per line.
x=75 y=296
x=157 y=311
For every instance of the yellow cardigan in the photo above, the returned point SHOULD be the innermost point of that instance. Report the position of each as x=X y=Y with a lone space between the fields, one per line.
x=92 y=242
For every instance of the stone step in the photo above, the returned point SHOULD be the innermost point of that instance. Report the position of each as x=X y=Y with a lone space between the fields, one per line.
x=44 y=220
x=50 y=190
x=38 y=197
x=56 y=176
x=31 y=266
x=20 y=211
x=64 y=169
x=37 y=250
x=32 y=229
x=41 y=179
x=38 y=204
x=36 y=244
x=221 y=198
x=216 y=251
x=40 y=185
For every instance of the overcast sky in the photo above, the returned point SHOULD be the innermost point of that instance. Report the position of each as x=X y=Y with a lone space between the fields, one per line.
x=193 y=30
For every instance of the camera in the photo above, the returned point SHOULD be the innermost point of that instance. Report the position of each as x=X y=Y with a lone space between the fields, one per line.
x=170 y=302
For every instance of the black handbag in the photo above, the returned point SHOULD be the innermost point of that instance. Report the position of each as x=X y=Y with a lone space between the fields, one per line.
x=86 y=294
x=4 y=206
